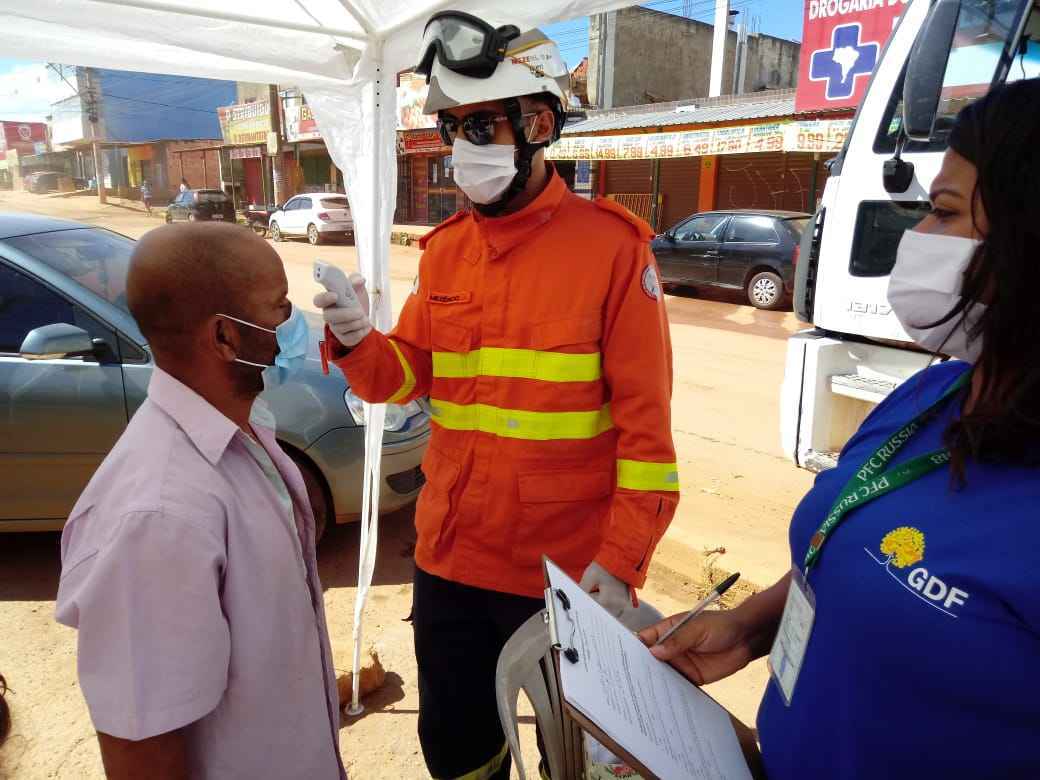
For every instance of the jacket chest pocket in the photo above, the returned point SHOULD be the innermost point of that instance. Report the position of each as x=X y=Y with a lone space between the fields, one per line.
x=567 y=350
x=450 y=335
x=567 y=332
x=562 y=515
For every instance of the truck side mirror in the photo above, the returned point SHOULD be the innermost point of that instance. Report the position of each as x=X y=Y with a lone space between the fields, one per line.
x=926 y=69
x=56 y=342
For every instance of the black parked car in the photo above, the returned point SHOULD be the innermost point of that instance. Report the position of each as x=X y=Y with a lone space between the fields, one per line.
x=195 y=205
x=755 y=251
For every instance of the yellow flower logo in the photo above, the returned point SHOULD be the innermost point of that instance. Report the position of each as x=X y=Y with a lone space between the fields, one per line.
x=904 y=546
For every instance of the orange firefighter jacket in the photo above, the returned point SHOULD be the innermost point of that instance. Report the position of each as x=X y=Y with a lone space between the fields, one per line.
x=542 y=341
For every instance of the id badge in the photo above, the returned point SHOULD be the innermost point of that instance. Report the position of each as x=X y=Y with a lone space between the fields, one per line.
x=785 y=659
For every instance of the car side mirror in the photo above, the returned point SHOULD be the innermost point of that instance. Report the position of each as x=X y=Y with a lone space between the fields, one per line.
x=55 y=342
x=926 y=69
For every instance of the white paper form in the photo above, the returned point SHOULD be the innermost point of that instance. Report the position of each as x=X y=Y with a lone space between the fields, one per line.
x=644 y=705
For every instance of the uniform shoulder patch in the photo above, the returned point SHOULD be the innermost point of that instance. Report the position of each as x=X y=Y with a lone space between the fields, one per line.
x=458 y=215
x=643 y=230
x=651 y=284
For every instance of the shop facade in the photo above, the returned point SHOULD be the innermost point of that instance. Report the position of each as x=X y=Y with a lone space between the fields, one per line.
x=247 y=169
x=310 y=162
x=426 y=190
x=665 y=165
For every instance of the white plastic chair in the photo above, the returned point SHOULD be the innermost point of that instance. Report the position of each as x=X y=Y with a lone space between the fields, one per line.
x=526 y=663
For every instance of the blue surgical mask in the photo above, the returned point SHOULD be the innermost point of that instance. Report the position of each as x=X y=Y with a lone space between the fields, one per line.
x=292 y=337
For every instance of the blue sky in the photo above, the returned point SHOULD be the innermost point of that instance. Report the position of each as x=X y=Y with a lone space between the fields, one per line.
x=27 y=88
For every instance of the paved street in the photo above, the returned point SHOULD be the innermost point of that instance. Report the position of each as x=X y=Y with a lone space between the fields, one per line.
x=738 y=494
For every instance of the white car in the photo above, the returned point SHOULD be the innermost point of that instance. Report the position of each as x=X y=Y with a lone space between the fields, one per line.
x=317 y=215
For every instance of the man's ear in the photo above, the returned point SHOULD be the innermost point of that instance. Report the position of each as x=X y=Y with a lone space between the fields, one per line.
x=222 y=336
x=542 y=127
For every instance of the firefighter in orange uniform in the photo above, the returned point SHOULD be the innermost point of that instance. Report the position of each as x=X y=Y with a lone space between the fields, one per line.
x=538 y=330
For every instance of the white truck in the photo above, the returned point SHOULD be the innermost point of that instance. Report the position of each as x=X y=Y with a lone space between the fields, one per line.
x=942 y=55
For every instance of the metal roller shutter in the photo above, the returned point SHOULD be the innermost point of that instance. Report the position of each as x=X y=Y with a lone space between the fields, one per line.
x=751 y=181
x=798 y=181
x=625 y=176
x=680 y=187
x=630 y=183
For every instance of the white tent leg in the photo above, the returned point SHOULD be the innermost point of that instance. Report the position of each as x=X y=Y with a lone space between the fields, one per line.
x=375 y=266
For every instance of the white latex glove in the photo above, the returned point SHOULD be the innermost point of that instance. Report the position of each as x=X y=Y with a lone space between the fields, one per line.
x=609 y=592
x=350 y=323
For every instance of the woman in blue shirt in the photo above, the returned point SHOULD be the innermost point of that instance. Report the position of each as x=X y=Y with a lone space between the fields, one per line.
x=913 y=650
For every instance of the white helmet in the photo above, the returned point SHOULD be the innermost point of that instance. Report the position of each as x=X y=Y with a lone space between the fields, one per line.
x=465 y=60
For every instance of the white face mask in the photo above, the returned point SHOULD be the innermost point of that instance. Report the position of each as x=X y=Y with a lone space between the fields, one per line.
x=925 y=286
x=483 y=172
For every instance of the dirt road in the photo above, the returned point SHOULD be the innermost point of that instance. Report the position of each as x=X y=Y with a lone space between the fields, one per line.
x=738 y=494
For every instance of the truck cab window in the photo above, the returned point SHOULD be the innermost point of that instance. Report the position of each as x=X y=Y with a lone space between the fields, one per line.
x=879 y=227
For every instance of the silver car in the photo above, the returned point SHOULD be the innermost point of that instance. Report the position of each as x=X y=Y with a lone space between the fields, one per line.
x=74 y=368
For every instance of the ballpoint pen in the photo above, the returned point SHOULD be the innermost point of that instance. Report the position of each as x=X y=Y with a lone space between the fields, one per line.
x=707 y=601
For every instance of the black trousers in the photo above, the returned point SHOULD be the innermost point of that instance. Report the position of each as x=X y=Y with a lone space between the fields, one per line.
x=459 y=633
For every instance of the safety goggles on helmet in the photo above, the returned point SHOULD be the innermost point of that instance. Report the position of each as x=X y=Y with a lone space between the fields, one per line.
x=478 y=127
x=464 y=44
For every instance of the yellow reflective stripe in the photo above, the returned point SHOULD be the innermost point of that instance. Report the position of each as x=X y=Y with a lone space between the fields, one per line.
x=521 y=424
x=640 y=475
x=518 y=364
x=492 y=766
x=409 y=377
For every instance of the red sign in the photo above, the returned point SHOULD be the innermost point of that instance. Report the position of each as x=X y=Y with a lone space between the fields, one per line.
x=22 y=136
x=842 y=42
x=422 y=142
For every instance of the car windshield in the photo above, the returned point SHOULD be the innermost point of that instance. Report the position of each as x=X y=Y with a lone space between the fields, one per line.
x=335 y=203
x=211 y=196
x=798 y=225
x=94 y=258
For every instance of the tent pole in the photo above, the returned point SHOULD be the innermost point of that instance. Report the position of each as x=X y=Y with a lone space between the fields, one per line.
x=426 y=13
x=373 y=421
x=224 y=16
x=350 y=7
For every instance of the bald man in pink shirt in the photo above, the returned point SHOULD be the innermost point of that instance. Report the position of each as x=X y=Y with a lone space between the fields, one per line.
x=188 y=564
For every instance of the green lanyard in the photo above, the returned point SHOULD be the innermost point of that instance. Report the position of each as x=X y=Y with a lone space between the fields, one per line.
x=873 y=481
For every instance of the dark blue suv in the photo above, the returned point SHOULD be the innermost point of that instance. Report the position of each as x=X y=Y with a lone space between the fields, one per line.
x=754 y=251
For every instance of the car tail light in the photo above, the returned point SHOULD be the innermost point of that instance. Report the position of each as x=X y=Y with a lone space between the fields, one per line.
x=323 y=216
x=794 y=257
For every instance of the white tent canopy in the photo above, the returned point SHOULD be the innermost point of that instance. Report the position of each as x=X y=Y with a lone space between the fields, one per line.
x=343 y=54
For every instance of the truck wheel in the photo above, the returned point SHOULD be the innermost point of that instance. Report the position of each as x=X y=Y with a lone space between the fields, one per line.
x=192 y=217
x=168 y=218
x=765 y=290
x=313 y=236
x=276 y=232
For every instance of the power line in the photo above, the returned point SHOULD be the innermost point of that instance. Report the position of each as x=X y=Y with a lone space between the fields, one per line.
x=209 y=111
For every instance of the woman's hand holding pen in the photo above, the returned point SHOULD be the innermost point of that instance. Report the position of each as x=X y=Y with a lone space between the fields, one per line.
x=714 y=645
x=710 y=647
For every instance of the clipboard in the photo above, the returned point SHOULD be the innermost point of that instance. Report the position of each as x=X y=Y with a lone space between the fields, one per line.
x=576 y=722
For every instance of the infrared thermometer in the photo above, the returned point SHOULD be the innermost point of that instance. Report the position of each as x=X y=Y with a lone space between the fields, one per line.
x=334 y=280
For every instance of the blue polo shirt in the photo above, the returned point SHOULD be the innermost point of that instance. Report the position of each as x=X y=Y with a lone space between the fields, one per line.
x=924 y=660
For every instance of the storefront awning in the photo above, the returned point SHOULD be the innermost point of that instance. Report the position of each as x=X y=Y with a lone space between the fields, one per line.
x=825 y=136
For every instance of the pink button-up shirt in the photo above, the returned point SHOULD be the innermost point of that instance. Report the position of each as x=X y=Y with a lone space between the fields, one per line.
x=194 y=605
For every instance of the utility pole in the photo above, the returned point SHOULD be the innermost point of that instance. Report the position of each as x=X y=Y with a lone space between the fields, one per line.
x=718 y=48
x=277 y=172
x=89 y=103
x=606 y=24
x=740 y=59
